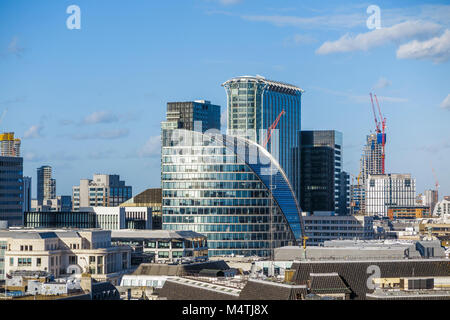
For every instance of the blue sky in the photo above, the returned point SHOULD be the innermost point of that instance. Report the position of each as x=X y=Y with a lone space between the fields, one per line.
x=91 y=100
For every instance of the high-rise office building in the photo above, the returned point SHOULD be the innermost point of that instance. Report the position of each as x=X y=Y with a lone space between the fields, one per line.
x=253 y=104
x=46 y=186
x=324 y=186
x=102 y=191
x=26 y=194
x=430 y=198
x=371 y=159
x=343 y=207
x=11 y=190
x=231 y=190
x=357 y=199
x=9 y=146
x=389 y=190
x=371 y=163
x=199 y=115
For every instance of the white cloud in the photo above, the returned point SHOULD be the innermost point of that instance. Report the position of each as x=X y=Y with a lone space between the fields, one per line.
x=100 y=117
x=436 y=49
x=151 y=148
x=446 y=103
x=14 y=48
x=299 y=39
x=360 y=98
x=33 y=157
x=229 y=2
x=33 y=132
x=113 y=134
x=382 y=83
x=327 y=21
x=105 y=135
x=364 y=41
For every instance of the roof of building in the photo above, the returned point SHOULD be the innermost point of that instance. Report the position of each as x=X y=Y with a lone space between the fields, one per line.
x=327 y=283
x=188 y=289
x=211 y=273
x=155 y=234
x=269 y=290
x=355 y=273
x=409 y=295
x=157 y=269
x=261 y=79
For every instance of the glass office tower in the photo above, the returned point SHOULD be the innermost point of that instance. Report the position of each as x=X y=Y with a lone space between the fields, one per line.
x=11 y=190
x=321 y=173
x=253 y=104
x=230 y=189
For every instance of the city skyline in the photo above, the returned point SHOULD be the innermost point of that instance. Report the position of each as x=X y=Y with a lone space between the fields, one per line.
x=94 y=98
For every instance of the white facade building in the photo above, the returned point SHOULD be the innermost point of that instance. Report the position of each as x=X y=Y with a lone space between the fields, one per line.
x=386 y=190
x=102 y=190
x=442 y=209
x=320 y=228
x=65 y=252
x=116 y=218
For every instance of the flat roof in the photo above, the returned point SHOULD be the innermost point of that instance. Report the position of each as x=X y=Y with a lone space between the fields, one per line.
x=262 y=79
x=155 y=234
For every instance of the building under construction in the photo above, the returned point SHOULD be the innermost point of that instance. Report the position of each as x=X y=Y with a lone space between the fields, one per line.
x=372 y=160
x=10 y=147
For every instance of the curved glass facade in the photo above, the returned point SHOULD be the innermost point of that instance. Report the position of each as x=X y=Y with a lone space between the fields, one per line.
x=231 y=190
x=253 y=104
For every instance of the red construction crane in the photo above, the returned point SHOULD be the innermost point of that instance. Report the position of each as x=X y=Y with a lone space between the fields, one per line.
x=271 y=128
x=435 y=177
x=375 y=115
x=383 y=133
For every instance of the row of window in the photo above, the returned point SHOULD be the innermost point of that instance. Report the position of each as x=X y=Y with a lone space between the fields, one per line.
x=215 y=194
x=225 y=228
x=24 y=262
x=217 y=211
x=212 y=185
x=218 y=219
x=217 y=202
x=209 y=176
x=219 y=168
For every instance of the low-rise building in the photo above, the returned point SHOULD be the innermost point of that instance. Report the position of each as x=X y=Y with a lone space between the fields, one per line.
x=408 y=212
x=363 y=250
x=435 y=227
x=411 y=279
x=320 y=228
x=65 y=252
x=108 y=218
x=166 y=246
x=59 y=203
x=442 y=208
x=151 y=198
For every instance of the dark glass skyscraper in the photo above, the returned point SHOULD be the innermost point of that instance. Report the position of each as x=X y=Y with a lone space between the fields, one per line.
x=253 y=104
x=321 y=172
x=11 y=190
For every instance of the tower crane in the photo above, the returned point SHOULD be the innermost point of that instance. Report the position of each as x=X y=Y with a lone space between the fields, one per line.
x=266 y=141
x=380 y=129
x=383 y=135
x=272 y=127
x=435 y=177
